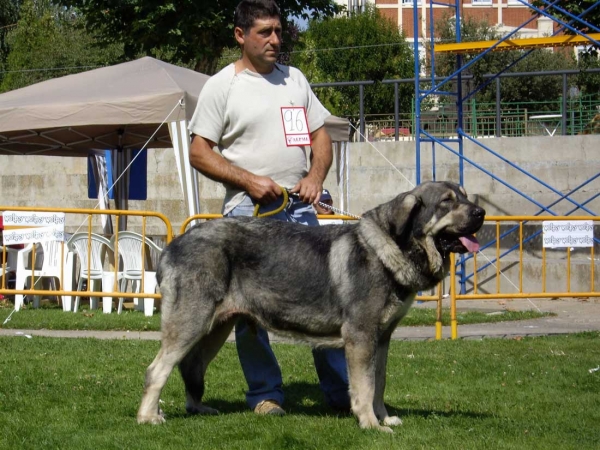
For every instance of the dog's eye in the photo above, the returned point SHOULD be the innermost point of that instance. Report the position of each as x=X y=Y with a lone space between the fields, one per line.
x=447 y=200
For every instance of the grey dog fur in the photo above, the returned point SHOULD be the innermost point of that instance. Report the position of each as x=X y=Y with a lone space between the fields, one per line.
x=335 y=286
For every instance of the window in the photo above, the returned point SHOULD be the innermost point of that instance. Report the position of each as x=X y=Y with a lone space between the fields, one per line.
x=481 y=2
x=411 y=2
x=517 y=2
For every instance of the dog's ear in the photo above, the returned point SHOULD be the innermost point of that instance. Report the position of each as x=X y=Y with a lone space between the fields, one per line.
x=395 y=215
x=404 y=213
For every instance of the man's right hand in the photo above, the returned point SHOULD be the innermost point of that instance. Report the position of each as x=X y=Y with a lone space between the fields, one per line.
x=202 y=157
x=262 y=189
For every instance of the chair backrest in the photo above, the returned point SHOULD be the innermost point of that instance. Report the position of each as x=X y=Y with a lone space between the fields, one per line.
x=52 y=256
x=99 y=246
x=129 y=247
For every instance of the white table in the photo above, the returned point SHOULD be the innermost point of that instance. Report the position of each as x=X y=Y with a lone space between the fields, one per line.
x=546 y=120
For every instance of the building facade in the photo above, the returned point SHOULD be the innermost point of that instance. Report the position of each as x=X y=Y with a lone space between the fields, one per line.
x=505 y=15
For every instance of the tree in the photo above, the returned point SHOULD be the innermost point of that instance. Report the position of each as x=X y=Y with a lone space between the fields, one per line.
x=186 y=32
x=574 y=7
x=545 y=90
x=9 y=14
x=361 y=46
x=519 y=90
x=48 y=38
x=588 y=83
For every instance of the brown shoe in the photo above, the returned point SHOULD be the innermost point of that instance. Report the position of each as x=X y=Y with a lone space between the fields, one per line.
x=269 y=407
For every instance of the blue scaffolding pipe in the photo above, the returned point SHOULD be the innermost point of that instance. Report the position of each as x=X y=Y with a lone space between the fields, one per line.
x=417 y=94
x=523 y=171
x=514 y=247
x=501 y=181
x=515 y=228
x=565 y=24
x=574 y=17
x=484 y=53
x=478 y=57
x=435 y=89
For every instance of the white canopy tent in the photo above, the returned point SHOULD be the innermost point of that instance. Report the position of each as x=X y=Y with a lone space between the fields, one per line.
x=144 y=103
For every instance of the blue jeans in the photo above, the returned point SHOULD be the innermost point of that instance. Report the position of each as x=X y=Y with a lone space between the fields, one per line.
x=259 y=364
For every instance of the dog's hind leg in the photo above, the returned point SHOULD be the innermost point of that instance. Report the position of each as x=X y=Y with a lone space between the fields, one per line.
x=156 y=376
x=178 y=338
x=360 y=355
x=193 y=367
x=380 y=376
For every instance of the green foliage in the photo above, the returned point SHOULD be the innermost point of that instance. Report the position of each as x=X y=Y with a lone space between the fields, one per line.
x=539 y=88
x=574 y=7
x=471 y=30
x=362 y=46
x=49 y=38
x=588 y=59
x=9 y=14
x=588 y=83
x=228 y=55
x=521 y=89
x=186 y=32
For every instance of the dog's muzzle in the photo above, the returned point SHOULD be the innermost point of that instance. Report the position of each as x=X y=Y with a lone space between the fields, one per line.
x=467 y=242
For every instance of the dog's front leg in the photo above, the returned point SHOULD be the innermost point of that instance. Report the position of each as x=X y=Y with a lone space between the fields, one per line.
x=360 y=356
x=380 y=378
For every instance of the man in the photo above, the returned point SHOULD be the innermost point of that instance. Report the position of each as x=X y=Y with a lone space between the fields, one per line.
x=263 y=117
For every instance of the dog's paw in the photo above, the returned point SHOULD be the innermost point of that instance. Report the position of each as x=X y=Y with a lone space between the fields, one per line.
x=392 y=421
x=375 y=426
x=201 y=409
x=154 y=420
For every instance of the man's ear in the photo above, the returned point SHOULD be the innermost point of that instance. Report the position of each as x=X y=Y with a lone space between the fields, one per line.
x=239 y=35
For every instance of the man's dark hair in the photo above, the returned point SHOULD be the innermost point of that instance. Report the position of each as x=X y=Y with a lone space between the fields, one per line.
x=247 y=11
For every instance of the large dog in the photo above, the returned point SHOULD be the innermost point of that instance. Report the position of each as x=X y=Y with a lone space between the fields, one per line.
x=338 y=286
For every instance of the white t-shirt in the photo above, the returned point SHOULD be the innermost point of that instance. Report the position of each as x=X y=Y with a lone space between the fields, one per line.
x=242 y=114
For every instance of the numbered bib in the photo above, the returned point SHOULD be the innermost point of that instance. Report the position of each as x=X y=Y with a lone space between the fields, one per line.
x=295 y=126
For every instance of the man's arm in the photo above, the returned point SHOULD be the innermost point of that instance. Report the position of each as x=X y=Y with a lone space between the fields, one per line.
x=214 y=166
x=311 y=186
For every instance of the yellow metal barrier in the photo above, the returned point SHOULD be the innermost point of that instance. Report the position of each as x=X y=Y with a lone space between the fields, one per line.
x=437 y=298
x=586 y=256
x=90 y=214
x=492 y=257
x=187 y=221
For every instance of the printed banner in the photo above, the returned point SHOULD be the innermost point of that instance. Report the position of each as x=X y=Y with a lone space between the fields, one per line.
x=574 y=233
x=31 y=235
x=14 y=219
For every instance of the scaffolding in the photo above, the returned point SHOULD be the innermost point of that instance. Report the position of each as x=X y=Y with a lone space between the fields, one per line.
x=439 y=88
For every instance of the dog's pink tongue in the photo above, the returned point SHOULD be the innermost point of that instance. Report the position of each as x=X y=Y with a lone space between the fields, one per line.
x=470 y=242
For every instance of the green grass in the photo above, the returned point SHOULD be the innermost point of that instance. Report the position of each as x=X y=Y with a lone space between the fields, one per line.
x=53 y=318
x=533 y=393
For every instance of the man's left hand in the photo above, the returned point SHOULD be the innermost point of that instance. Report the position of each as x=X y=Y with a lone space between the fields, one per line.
x=309 y=189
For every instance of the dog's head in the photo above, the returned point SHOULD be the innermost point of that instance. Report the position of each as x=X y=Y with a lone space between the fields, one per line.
x=437 y=210
x=445 y=213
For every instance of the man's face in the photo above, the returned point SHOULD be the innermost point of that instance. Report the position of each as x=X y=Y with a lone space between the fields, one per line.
x=261 y=44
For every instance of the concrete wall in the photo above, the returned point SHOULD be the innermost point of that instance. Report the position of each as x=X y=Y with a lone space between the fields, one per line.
x=563 y=162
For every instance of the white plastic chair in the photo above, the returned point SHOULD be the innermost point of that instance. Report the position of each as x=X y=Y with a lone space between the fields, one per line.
x=9 y=267
x=56 y=263
x=130 y=250
x=98 y=278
